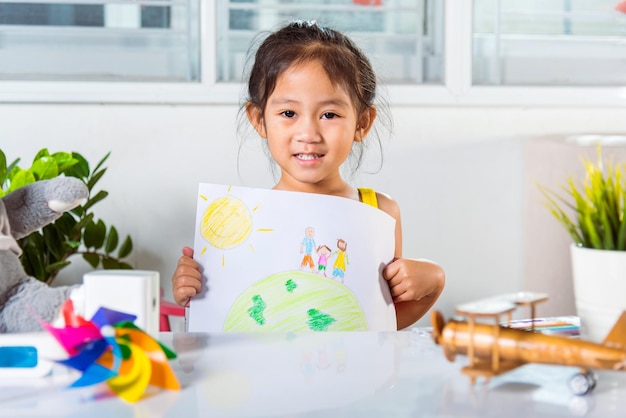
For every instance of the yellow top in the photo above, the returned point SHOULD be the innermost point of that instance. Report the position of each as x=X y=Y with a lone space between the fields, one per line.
x=368 y=196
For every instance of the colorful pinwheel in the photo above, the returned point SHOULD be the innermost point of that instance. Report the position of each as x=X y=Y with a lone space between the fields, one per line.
x=111 y=348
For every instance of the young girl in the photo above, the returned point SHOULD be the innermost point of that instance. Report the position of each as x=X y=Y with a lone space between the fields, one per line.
x=311 y=97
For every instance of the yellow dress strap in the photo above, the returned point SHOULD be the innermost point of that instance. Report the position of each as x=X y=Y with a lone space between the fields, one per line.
x=368 y=196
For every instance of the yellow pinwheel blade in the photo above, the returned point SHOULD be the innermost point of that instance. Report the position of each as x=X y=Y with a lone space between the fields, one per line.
x=134 y=375
x=161 y=373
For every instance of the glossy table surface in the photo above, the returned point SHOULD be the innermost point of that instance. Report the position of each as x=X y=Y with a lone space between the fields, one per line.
x=359 y=374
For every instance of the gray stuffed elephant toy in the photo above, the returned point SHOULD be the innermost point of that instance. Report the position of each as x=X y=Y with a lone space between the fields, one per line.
x=24 y=300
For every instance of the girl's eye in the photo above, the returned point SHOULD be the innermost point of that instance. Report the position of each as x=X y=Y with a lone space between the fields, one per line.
x=329 y=115
x=289 y=113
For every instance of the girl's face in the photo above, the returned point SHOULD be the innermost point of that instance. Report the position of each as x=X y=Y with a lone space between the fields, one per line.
x=310 y=125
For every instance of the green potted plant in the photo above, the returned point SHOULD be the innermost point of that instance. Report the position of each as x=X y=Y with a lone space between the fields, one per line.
x=78 y=232
x=593 y=212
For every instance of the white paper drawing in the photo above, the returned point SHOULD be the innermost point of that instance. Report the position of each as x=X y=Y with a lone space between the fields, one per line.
x=290 y=262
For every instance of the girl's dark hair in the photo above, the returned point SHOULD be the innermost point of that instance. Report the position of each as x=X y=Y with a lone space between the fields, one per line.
x=304 y=41
x=300 y=42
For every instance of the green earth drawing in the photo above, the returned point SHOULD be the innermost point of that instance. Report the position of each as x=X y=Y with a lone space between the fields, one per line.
x=296 y=301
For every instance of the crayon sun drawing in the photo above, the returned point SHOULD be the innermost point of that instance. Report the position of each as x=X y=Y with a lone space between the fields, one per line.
x=227 y=223
x=286 y=301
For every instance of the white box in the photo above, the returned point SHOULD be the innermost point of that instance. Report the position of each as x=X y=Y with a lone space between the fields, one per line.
x=135 y=292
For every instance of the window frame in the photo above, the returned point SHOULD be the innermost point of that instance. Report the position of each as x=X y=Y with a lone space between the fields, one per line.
x=457 y=89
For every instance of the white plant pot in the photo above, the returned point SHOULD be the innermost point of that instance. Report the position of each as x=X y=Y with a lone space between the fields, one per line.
x=599 y=289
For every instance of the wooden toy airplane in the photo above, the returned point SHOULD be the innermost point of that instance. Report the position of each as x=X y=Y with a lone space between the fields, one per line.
x=493 y=349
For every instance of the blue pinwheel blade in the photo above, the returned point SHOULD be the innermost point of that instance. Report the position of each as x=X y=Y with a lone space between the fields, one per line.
x=94 y=374
x=105 y=316
x=87 y=355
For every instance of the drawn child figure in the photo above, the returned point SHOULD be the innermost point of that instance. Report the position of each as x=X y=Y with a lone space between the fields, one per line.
x=312 y=99
x=324 y=253
x=306 y=247
x=339 y=268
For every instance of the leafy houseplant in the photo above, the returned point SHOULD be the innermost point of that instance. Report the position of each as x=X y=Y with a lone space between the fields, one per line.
x=48 y=251
x=598 y=255
x=599 y=206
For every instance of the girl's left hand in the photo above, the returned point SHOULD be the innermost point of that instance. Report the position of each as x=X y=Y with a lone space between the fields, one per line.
x=411 y=279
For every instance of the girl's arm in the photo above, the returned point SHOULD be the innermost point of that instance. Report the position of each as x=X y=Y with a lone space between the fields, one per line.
x=415 y=285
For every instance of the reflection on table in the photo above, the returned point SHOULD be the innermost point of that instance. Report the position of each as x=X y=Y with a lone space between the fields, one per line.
x=359 y=374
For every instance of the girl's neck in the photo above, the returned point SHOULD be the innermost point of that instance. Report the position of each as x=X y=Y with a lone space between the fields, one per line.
x=342 y=189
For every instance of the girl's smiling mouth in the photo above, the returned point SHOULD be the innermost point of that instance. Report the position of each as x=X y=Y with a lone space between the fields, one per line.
x=308 y=156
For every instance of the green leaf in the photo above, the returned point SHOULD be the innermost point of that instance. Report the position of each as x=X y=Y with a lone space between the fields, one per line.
x=45 y=168
x=111 y=240
x=94 y=234
x=82 y=223
x=106 y=157
x=126 y=247
x=92 y=258
x=621 y=238
x=110 y=263
x=21 y=178
x=65 y=226
x=125 y=266
x=33 y=240
x=97 y=198
x=73 y=244
x=95 y=178
x=36 y=267
x=64 y=161
x=607 y=241
x=3 y=169
x=78 y=211
x=42 y=153
x=12 y=166
x=80 y=169
x=58 y=266
x=54 y=243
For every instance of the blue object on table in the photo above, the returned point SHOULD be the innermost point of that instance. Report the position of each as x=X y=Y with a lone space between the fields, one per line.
x=18 y=356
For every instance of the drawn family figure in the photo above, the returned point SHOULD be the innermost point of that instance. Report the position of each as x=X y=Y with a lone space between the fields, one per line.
x=324 y=253
x=339 y=268
x=307 y=246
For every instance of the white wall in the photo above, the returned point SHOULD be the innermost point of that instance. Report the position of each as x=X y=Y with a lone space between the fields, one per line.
x=458 y=173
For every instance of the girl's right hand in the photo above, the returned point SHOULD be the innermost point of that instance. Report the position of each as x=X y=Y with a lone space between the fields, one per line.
x=187 y=278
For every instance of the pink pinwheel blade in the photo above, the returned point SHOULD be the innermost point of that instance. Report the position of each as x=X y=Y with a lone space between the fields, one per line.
x=71 y=338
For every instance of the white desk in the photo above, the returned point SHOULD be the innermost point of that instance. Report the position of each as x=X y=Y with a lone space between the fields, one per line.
x=401 y=374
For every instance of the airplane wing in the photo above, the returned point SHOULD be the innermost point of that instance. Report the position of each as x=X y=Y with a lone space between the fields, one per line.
x=486 y=307
x=502 y=304
x=616 y=338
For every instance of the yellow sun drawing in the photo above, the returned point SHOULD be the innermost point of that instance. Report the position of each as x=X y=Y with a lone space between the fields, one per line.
x=227 y=223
